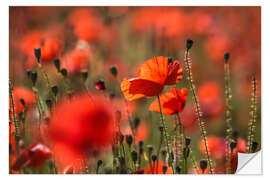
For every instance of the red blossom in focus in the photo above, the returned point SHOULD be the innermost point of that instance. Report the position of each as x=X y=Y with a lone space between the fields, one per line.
x=173 y=101
x=79 y=126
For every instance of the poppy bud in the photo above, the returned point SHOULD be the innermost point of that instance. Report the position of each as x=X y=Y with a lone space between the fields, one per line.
x=164 y=154
x=134 y=156
x=57 y=64
x=64 y=72
x=99 y=163
x=37 y=54
x=189 y=43
x=186 y=152
x=22 y=102
x=203 y=165
x=187 y=141
x=129 y=139
x=84 y=75
x=121 y=138
x=226 y=57
x=136 y=122
x=164 y=169
x=100 y=85
x=178 y=170
x=113 y=70
x=34 y=78
x=141 y=146
x=233 y=145
x=55 y=90
x=154 y=158
x=49 y=103
x=254 y=146
x=235 y=134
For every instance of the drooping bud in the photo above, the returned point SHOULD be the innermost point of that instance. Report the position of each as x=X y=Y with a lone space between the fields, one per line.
x=134 y=156
x=233 y=145
x=226 y=57
x=100 y=85
x=37 y=52
x=55 y=90
x=34 y=78
x=57 y=64
x=203 y=165
x=189 y=43
x=113 y=70
x=164 y=169
x=64 y=72
x=254 y=146
x=187 y=141
x=84 y=75
x=129 y=139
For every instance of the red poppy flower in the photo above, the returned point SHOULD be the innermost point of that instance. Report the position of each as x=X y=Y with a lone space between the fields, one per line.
x=154 y=74
x=78 y=59
x=79 y=126
x=87 y=26
x=34 y=156
x=173 y=101
x=158 y=169
x=25 y=94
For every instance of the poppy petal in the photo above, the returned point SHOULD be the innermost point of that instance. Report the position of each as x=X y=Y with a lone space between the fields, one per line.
x=172 y=101
x=175 y=73
x=137 y=88
x=155 y=69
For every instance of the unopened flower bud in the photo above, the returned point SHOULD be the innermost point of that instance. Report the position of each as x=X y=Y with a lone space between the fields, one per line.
x=37 y=52
x=164 y=169
x=189 y=43
x=57 y=64
x=64 y=72
x=134 y=156
x=226 y=57
x=203 y=165
x=113 y=70
x=34 y=78
x=187 y=141
x=254 y=146
x=129 y=139
x=233 y=145
x=55 y=90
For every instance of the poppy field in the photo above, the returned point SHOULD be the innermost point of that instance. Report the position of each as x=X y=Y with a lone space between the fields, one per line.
x=133 y=90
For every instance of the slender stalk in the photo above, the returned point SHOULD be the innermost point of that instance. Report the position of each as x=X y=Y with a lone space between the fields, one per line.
x=182 y=138
x=228 y=94
x=166 y=137
x=253 y=116
x=197 y=107
x=15 y=121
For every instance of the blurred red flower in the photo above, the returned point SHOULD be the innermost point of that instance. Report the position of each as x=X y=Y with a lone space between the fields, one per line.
x=79 y=126
x=78 y=59
x=154 y=74
x=34 y=156
x=158 y=169
x=87 y=26
x=141 y=132
x=209 y=95
x=173 y=101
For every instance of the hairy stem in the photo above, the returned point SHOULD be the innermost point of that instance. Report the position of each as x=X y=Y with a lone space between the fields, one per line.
x=197 y=107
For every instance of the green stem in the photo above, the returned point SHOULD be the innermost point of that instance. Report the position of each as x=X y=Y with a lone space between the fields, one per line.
x=197 y=107
x=166 y=138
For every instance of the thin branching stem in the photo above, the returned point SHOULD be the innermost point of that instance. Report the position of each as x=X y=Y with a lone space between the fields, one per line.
x=197 y=107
